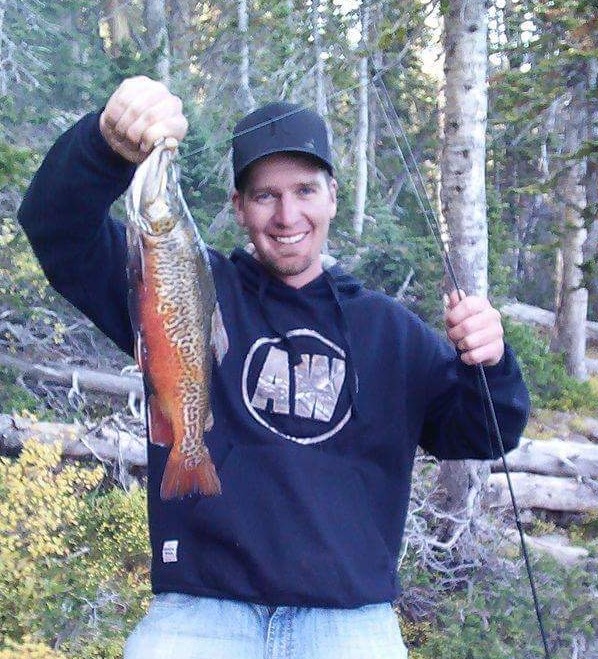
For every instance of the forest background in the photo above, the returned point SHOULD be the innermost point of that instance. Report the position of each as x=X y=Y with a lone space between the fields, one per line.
x=73 y=552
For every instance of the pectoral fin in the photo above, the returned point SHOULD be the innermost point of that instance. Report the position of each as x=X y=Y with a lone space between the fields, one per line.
x=219 y=337
x=159 y=426
x=209 y=424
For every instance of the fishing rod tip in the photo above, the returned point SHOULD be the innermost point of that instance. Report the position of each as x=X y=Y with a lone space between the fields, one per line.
x=169 y=143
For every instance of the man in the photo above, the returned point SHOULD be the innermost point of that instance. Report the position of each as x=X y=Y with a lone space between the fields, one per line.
x=319 y=405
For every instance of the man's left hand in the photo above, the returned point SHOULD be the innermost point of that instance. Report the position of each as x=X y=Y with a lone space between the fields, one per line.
x=475 y=327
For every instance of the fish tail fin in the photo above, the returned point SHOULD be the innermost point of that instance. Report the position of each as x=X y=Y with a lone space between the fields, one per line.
x=179 y=480
x=219 y=337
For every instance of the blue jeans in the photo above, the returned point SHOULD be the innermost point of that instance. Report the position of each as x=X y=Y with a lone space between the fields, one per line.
x=186 y=627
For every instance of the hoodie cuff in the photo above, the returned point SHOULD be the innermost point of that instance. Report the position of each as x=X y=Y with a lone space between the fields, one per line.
x=506 y=365
x=93 y=142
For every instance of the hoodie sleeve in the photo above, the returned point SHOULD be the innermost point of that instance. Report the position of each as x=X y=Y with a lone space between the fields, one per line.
x=458 y=423
x=65 y=214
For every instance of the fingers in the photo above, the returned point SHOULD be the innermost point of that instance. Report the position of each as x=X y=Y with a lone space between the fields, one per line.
x=140 y=112
x=475 y=328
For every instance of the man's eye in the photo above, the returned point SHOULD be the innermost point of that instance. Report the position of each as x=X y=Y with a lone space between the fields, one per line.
x=306 y=190
x=262 y=196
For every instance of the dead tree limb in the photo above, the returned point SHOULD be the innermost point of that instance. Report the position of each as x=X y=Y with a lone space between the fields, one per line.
x=552 y=457
x=552 y=545
x=110 y=383
x=530 y=315
x=544 y=492
x=103 y=444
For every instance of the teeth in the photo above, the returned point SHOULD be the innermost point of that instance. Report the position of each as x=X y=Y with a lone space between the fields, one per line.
x=290 y=240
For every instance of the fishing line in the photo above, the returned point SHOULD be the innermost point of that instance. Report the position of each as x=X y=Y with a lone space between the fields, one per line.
x=290 y=113
x=436 y=230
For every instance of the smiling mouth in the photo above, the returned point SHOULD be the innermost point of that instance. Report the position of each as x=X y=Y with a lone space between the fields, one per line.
x=290 y=240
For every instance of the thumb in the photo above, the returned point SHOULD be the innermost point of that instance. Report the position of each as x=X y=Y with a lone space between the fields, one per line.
x=453 y=299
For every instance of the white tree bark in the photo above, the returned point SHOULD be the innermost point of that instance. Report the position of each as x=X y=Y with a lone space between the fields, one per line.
x=530 y=315
x=590 y=248
x=553 y=457
x=154 y=16
x=361 y=140
x=569 y=333
x=118 y=25
x=574 y=495
x=3 y=63
x=80 y=378
x=551 y=545
x=463 y=165
x=373 y=118
x=463 y=194
x=103 y=444
x=180 y=31
x=247 y=99
x=319 y=75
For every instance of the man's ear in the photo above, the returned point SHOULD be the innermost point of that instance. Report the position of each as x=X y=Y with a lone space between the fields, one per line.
x=237 y=200
x=333 y=188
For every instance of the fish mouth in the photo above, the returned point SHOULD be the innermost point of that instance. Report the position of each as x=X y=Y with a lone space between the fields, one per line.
x=290 y=240
x=148 y=202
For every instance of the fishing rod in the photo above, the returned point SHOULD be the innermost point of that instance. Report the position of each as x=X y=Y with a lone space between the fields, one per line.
x=435 y=228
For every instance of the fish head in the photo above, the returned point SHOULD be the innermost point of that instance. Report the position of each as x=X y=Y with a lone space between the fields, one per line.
x=153 y=191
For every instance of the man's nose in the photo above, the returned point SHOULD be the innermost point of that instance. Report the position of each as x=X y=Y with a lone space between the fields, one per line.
x=287 y=211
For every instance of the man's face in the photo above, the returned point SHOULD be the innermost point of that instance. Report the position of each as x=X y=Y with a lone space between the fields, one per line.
x=286 y=208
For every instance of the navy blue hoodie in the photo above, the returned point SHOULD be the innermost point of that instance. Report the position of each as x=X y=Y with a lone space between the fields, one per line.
x=319 y=406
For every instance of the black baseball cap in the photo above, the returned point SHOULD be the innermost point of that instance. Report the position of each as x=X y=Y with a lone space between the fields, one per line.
x=278 y=128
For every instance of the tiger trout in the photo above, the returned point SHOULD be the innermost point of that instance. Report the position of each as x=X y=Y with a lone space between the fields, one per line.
x=177 y=322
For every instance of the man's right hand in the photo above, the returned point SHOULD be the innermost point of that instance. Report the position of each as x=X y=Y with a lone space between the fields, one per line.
x=140 y=112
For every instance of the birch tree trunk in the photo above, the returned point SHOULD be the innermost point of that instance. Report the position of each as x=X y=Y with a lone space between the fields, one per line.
x=376 y=17
x=361 y=141
x=154 y=17
x=590 y=248
x=463 y=196
x=180 y=31
x=569 y=332
x=118 y=25
x=320 y=78
x=463 y=187
x=246 y=96
x=320 y=84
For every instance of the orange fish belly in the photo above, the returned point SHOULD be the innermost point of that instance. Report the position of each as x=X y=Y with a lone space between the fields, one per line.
x=177 y=373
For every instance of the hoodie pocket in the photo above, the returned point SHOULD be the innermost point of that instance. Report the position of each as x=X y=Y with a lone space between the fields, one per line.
x=293 y=526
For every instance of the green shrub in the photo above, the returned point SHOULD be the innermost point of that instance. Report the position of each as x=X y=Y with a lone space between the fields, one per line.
x=493 y=616
x=545 y=373
x=13 y=398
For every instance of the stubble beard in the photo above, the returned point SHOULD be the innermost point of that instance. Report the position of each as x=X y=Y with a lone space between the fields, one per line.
x=282 y=270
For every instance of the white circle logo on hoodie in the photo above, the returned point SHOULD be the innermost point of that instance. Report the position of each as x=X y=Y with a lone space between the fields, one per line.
x=297 y=382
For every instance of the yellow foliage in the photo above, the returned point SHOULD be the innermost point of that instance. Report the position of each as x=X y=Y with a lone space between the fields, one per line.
x=415 y=634
x=40 y=501
x=74 y=559
x=28 y=649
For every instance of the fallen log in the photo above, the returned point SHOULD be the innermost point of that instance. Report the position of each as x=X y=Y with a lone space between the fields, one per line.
x=578 y=495
x=530 y=315
x=552 y=457
x=82 y=378
x=552 y=545
x=103 y=443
